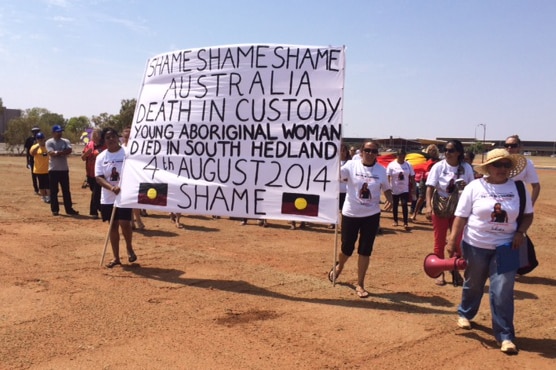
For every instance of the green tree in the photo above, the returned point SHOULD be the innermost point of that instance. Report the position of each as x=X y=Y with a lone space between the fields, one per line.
x=20 y=128
x=117 y=121
x=76 y=126
x=477 y=147
x=104 y=120
x=126 y=113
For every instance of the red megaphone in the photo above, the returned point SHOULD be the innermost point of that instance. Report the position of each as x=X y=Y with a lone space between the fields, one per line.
x=434 y=265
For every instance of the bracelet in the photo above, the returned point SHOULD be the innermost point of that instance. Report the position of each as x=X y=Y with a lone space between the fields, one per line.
x=522 y=233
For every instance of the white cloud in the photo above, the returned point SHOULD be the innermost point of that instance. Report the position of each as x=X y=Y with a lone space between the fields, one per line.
x=63 y=19
x=58 y=3
x=127 y=23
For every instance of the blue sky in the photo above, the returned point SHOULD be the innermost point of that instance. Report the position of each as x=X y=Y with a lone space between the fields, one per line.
x=414 y=69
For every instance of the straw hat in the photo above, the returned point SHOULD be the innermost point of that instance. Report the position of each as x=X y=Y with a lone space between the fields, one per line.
x=519 y=162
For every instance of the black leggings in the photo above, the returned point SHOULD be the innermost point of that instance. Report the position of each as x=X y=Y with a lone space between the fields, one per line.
x=364 y=227
x=404 y=197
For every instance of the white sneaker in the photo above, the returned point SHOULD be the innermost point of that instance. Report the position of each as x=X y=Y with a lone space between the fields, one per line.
x=464 y=323
x=508 y=347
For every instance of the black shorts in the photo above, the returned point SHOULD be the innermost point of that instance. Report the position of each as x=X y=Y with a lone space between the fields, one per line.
x=364 y=228
x=44 y=182
x=121 y=213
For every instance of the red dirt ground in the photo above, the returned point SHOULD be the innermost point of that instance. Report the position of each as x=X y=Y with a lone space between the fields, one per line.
x=217 y=295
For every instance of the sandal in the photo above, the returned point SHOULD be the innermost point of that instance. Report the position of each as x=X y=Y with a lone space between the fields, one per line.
x=113 y=263
x=361 y=293
x=331 y=274
x=440 y=280
x=132 y=257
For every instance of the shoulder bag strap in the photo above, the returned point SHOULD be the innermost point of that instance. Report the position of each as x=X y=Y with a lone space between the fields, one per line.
x=521 y=193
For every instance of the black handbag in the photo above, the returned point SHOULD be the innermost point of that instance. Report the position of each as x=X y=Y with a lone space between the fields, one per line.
x=528 y=260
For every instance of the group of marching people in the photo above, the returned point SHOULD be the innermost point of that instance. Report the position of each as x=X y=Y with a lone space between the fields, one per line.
x=474 y=212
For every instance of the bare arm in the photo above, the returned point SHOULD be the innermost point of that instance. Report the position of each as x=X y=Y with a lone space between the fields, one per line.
x=86 y=153
x=535 y=191
x=457 y=229
x=101 y=180
x=388 y=195
x=519 y=235
x=428 y=204
x=413 y=184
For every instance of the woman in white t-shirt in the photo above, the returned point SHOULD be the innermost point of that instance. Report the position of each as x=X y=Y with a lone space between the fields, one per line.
x=529 y=174
x=447 y=176
x=487 y=214
x=366 y=179
x=400 y=175
x=108 y=170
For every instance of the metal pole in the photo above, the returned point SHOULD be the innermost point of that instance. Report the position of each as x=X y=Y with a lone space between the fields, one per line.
x=484 y=138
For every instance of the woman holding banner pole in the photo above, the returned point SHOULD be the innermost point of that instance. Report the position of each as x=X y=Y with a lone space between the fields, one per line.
x=366 y=178
x=108 y=169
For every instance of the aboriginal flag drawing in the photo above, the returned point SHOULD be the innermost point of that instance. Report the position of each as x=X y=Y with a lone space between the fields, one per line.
x=300 y=204
x=156 y=194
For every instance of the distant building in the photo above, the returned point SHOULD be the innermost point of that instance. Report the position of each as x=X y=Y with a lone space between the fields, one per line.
x=6 y=116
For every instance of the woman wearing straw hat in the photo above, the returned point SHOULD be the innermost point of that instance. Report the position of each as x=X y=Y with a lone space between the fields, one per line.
x=485 y=238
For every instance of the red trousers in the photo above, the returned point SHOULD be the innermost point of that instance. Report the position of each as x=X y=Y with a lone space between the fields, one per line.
x=440 y=227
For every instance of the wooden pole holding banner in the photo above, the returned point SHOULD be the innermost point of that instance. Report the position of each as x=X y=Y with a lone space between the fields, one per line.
x=335 y=254
x=108 y=234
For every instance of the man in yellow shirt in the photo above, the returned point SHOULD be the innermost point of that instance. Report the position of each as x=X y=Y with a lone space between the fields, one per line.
x=40 y=166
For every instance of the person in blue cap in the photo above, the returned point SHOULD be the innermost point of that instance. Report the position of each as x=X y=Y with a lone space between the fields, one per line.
x=58 y=171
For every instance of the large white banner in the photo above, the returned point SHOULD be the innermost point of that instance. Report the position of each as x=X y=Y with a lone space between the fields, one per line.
x=241 y=131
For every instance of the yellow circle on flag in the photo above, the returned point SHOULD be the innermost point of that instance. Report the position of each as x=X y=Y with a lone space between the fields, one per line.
x=151 y=193
x=300 y=203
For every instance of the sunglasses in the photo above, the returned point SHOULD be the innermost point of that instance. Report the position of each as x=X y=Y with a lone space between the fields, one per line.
x=499 y=164
x=367 y=150
x=451 y=150
x=511 y=145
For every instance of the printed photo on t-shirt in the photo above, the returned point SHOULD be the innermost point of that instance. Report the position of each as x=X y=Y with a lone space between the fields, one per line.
x=498 y=214
x=114 y=175
x=364 y=192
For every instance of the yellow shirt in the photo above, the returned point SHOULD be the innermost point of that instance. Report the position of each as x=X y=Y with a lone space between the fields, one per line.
x=41 y=159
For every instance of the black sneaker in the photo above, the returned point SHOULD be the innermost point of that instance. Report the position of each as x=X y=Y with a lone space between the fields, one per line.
x=72 y=212
x=54 y=213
